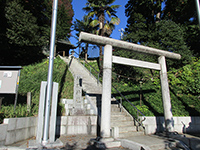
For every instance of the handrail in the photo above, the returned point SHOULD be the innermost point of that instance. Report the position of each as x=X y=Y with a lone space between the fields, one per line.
x=140 y=122
x=99 y=74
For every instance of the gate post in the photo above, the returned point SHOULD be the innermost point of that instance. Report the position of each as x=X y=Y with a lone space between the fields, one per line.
x=106 y=92
x=169 y=122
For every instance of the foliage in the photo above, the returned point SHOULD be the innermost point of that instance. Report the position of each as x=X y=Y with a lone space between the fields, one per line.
x=169 y=36
x=84 y=25
x=146 y=94
x=30 y=80
x=180 y=11
x=22 y=27
x=146 y=18
x=25 y=29
x=8 y=112
x=64 y=19
x=184 y=83
x=98 y=10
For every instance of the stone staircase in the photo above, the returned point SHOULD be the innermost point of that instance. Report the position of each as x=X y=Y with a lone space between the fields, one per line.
x=120 y=118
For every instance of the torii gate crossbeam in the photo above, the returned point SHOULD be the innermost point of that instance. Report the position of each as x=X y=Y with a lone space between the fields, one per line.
x=107 y=71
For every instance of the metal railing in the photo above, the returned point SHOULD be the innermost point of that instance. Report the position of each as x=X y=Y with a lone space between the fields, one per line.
x=137 y=119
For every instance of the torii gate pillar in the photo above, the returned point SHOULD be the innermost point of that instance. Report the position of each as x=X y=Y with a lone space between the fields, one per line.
x=169 y=123
x=106 y=93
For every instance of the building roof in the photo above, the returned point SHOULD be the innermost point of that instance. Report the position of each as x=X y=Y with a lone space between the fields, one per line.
x=10 y=67
x=64 y=45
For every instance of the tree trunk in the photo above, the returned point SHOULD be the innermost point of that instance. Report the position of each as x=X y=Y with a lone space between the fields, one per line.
x=102 y=18
x=86 y=50
x=100 y=60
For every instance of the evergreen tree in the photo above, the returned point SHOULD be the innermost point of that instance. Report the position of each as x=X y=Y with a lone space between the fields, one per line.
x=64 y=19
x=147 y=25
x=22 y=28
x=25 y=28
x=184 y=12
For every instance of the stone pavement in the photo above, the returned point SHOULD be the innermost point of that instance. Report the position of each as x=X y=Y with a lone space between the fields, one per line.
x=71 y=142
x=78 y=142
x=82 y=142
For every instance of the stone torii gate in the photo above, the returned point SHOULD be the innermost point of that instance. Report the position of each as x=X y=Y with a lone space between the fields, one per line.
x=107 y=75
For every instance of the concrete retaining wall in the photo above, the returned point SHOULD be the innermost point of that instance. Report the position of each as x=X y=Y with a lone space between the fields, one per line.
x=181 y=124
x=17 y=129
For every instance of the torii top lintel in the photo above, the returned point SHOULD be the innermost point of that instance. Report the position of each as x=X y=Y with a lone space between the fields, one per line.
x=100 y=40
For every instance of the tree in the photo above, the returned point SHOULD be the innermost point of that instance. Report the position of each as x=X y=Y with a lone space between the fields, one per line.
x=152 y=28
x=98 y=10
x=84 y=25
x=148 y=25
x=25 y=28
x=64 y=19
x=180 y=11
x=184 y=12
x=22 y=27
x=142 y=15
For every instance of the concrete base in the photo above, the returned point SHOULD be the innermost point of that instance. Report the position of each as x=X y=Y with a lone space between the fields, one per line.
x=34 y=144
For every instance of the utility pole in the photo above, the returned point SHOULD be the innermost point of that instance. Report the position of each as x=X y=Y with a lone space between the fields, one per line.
x=50 y=73
x=198 y=11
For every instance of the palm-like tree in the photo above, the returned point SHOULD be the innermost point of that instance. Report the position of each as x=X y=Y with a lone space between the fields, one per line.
x=98 y=10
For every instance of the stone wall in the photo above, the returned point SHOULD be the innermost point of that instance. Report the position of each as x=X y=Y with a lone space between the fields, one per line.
x=17 y=129
x=181 y=124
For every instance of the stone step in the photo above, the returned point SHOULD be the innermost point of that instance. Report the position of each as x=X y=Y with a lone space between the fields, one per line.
x=129 y=134
x=120 y=118
x=115 y=109
x=110 y=142
x=113 y=144
x=121 y=123
x=118 y=113
x=127 y=129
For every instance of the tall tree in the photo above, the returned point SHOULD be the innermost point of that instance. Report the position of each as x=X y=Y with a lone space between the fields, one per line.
x=22 y=28
x=25 y=28
x=64 y=19
x=148 y=25
x=184 y=13
x=142 y=15
x=98 y=10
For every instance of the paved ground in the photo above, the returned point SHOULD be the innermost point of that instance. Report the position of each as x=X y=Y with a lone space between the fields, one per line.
x=77 y=142
x=71 y=142
x=82 y=142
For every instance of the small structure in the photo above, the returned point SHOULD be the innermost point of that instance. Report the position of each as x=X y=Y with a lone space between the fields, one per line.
x=63 y=47
x=9 y=81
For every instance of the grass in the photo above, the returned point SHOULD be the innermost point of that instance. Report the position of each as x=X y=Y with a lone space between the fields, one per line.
x=30 y=80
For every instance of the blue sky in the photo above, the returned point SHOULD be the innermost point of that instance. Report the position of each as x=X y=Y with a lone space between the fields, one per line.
x=79 y=13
